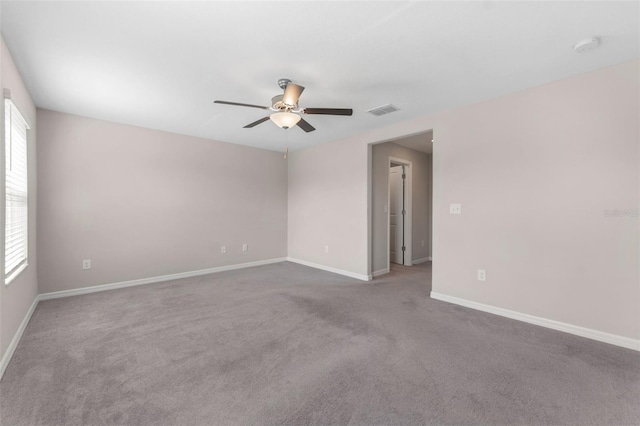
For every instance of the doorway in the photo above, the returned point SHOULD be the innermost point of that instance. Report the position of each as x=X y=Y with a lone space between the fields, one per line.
x=415 y=153
x=399 y=223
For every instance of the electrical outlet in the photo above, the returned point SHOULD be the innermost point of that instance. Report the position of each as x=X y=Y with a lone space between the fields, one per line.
x=223 y=249
x=455 y=208
x=482 y=275
x=86 y=264
x=245 y=247
x=326 y=249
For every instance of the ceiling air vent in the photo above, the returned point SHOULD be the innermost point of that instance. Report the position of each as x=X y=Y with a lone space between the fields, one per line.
x=383 y=109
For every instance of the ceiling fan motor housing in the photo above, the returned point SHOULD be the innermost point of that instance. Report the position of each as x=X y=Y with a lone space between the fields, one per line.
x=277 y=104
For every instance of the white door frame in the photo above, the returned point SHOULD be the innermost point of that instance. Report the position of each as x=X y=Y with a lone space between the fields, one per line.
x=408 y=219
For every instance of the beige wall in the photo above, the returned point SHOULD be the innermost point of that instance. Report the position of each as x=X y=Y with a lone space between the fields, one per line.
x=420 y=202
x=142 y=203
x=17 y=297
x=534 y=172
x=326 y=197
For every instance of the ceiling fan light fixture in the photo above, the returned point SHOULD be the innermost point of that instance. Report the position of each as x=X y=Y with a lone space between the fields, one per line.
x=285 y=120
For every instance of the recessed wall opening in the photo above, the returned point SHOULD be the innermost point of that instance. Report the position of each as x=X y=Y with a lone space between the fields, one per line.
x=401 y=203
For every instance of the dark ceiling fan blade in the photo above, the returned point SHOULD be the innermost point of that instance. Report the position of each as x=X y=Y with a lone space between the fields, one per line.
x=239 y=104
x=304 y=125
x=255 y=123
x=291 y=94
x=327 y=111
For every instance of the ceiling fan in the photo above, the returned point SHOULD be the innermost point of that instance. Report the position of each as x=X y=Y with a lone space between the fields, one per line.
x=285 y=109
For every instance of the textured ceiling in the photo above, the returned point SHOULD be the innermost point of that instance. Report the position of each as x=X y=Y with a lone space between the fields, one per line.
x=161 y=64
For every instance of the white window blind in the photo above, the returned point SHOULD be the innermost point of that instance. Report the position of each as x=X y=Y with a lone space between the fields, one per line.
x=16 y=214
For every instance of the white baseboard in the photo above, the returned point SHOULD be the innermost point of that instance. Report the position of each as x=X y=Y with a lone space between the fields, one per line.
x=601 y=336
x=422 y=260
x=161 y=278
x=331 y=269
x=16 y=337
x=380 y=272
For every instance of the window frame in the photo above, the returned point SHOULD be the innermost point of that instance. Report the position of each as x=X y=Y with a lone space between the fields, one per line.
x=10 y=117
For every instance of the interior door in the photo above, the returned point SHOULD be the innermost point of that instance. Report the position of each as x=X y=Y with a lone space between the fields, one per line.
x=396 y=224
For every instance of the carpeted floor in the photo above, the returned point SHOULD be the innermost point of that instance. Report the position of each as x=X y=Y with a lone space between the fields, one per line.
x=284 y=344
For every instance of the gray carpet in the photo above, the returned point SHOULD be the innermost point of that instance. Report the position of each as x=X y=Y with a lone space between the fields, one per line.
x=288 y=345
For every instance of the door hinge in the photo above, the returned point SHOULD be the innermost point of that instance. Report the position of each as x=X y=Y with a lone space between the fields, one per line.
x=403 y=248
x=404 y=176
x=404 y=212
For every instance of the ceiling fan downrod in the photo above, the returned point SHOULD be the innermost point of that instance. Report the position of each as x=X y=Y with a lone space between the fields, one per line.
x=283 y=83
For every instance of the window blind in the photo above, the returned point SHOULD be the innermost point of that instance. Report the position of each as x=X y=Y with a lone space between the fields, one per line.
x=16 y=191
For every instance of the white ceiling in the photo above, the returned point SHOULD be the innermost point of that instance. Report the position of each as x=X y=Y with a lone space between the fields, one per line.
x=161 y=64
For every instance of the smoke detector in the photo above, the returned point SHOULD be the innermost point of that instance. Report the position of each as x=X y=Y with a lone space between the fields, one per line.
x=586 y=45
